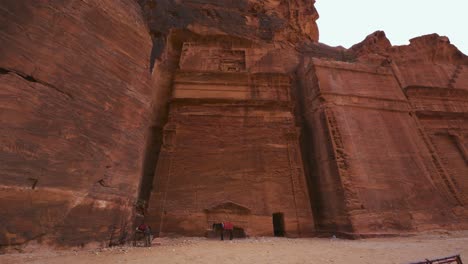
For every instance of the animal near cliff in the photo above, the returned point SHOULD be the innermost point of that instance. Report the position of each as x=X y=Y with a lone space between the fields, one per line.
x=187 y=113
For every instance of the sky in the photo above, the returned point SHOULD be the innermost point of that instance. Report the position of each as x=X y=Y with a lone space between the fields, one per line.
x=345 y=22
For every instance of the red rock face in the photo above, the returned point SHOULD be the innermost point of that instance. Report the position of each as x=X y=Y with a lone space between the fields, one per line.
x=386 y=169
x=230 y=142
x=253 y=19
x=208 y=111
x=75 y=104
x=397 y=157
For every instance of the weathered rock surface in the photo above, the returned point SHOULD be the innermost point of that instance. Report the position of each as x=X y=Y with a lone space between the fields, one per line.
x=224 y=111
x=231 y=150
x=75 y=103
x=428 y=49
x=380 y=164
x=265 y=20
x=397 y=121
x=383 y=137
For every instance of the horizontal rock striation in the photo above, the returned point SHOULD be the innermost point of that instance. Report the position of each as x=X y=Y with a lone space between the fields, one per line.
x=75 y=103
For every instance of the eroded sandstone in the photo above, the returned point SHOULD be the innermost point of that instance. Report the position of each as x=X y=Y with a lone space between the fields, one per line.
x=186 y=113
x=75 y=103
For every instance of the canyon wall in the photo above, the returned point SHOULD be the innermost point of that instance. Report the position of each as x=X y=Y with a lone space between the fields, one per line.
x=187 y=113
x=75 y=102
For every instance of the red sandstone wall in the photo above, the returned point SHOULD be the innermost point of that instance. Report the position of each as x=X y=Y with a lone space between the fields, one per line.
x=438 y=94
x=273 y=20
x=441 y=106
x=231 y=143
x=381 y=173
x=221 y=153
x=74 y=107
x=384 y=127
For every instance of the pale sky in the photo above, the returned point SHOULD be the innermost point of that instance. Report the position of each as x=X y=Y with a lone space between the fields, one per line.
x=347 y=22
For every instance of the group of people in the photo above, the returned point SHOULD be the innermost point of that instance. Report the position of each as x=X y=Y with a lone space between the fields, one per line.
x=145 y=231
x=221 y=227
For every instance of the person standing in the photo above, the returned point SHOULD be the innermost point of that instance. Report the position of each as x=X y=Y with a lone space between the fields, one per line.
x=229 y=227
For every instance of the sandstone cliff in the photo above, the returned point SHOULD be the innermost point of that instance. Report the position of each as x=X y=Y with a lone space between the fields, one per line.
x=75 y=104
x=205 y=111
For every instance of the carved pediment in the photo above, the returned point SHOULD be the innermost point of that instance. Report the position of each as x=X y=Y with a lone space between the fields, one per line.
x=228 y=207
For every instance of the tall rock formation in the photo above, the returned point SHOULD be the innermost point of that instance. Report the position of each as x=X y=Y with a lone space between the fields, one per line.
x=193 y=112
x=227 y=138
x=75 y=105
x=394 y=123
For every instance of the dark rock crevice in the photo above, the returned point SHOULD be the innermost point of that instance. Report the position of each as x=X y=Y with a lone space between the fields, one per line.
x=34 y=182
x=159 y=44
x=32 y=79
x=165 y=68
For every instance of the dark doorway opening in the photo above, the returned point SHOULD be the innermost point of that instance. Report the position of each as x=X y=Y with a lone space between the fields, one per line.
x=278 y=224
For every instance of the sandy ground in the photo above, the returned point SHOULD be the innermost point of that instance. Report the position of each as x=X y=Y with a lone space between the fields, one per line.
x=264 y=250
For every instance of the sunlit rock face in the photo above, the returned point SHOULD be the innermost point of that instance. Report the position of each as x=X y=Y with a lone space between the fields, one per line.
x=191 y=112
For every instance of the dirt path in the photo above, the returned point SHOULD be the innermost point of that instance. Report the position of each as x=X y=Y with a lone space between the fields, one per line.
x=265 y=250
